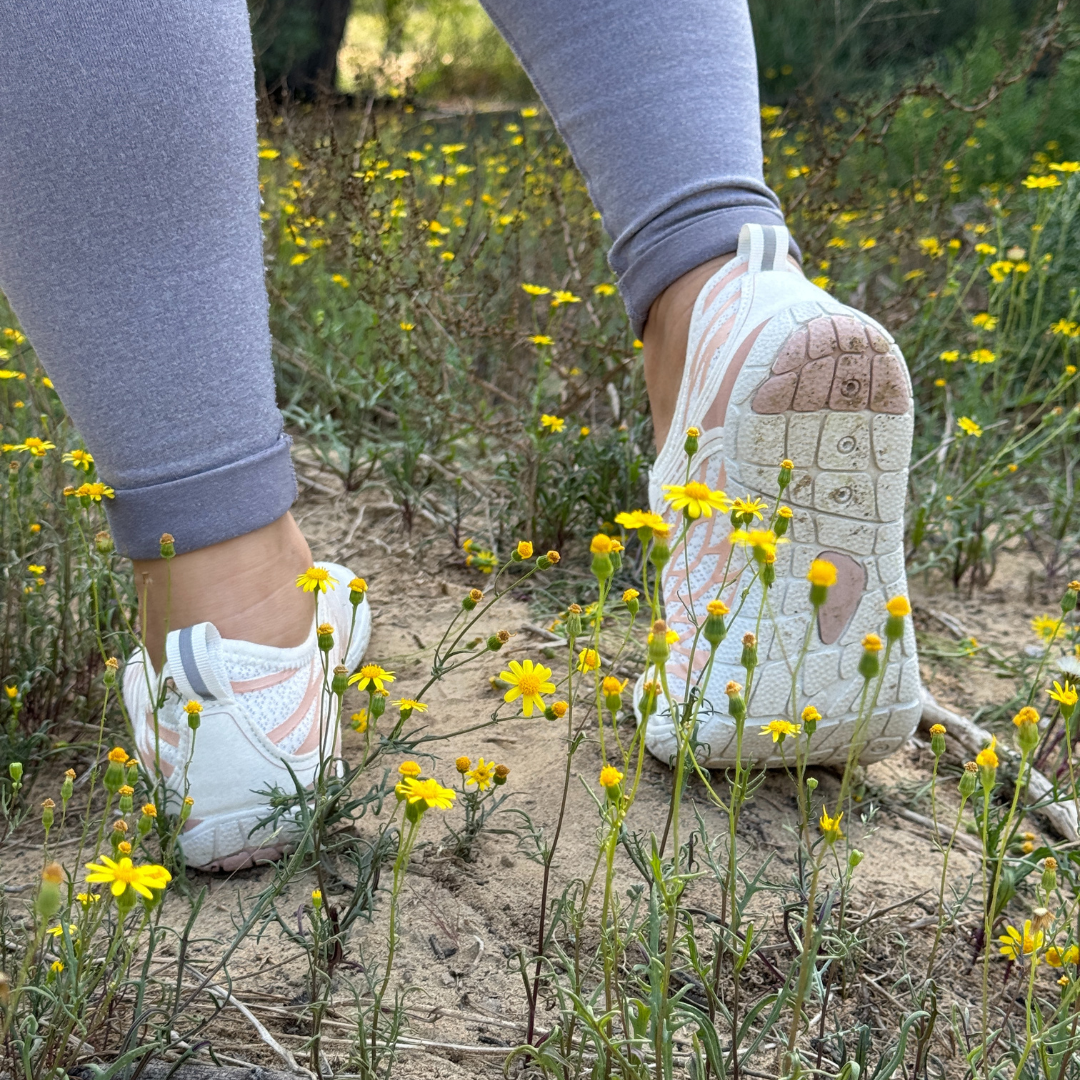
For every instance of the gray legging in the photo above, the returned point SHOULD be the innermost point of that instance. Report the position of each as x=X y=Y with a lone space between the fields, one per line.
x=130 y=242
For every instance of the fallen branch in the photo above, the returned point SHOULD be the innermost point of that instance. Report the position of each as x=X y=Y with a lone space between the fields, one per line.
x=1061 y=815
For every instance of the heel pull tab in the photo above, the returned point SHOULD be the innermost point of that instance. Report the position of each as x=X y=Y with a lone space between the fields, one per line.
x=765 y=247
x=196 y=663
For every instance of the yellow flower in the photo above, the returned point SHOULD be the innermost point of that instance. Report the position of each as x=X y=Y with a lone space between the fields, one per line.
x=561 y=296
x=1040 y=182
x=359 y=721
x=316 y=577
x=984 y=248
x=410 y=703
x=872 y=643
x=984 y=321
x=630 y=594
x=1055 y=957
x=554 y=424
x=969 y=426
x=371 y=677
x=601 y=544
x=610 y=777
x=1066 y=694
x=123 y=874
x=430 y=792
x=409 y=768
x=81 y=459
x=640 y=519
x=340 y=279
x=830 y=826
x=193 y=708
x=588 y=660
x=1000 y=270
x=149 y=810
x=536 y=290
x=717 y=607
x=762 y=542
x=898 y=606
x=407 y=326
x=987 y=756
x=749 y=507
x=86 y=899
x=525 y=549
x=822 y=573
x=1064 y=166
x=1016 y=944
x=34 y=446
x=778 y=729
x=1027 y=715
x=56 y=967
x=542 y=339
x=119 y=755
x=58 y=931
x=1048 y=628
x=34 y=568
x=982 y=356
x=481 y=775
x=527 y=681
x=605 y=288
x=950 y=356
x=696 y=499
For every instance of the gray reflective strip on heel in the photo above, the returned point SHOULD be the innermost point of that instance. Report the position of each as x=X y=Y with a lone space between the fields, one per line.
x=191 y=669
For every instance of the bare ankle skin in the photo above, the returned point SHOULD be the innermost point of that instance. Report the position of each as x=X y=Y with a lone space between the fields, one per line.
x=245 y=586
x=664 y=340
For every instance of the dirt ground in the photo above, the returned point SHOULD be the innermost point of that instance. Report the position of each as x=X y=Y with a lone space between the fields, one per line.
x=463 y=924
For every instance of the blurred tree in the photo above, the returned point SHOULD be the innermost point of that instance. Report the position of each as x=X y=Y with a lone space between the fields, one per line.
x=297 y=43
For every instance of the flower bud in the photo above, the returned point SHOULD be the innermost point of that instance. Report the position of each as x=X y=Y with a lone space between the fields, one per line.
x=126 y=803
x=1049 y=874
x=748 y=659
x=316 y=899
x=463 y=764
x=898 y=608
x=340 y=680
x=167 y=546
x=47 y=903
x=114 y=771
x=937 y=740
x=1026 y=722
x=810 y=718
x=715 y=630
x=112 y=665
x=784 y=476
x=357 y=591
x=132 y=771
x=500 y=775
x=146 y=821
x=557 y=710
x=194 y=714
x=811 y=783
x=325 y=636
x=869 y=664
x=547 y=560
x=660 y=552
x=630 y=599
x=969 y=779
x=855 y=856
x=474 y=598
x=47 y=808
x=103 y=542
x=573 y=621
x=185 y=809
x=601 y=547
x=783 y=521
x=650 y=697
x=690 y=446
x=1068 y=600
x=68 y=786
x=378 y=705
x=736 y=705
x=15 y=771
x=1041 y=920
x=658 y=648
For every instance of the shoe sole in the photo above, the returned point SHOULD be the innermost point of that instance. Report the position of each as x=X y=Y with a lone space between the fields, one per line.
x=826 y=387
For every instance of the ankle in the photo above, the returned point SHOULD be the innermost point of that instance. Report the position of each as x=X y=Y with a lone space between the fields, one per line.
x=664 y=342
x=245 y=586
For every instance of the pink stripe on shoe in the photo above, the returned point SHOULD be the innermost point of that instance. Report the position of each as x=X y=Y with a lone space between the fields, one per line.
x=263 y=682
x=279 y=733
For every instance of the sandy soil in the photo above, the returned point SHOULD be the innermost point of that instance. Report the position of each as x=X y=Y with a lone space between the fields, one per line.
x=465 y=923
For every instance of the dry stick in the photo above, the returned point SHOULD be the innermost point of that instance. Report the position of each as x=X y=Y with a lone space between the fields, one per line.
x=1062 y=816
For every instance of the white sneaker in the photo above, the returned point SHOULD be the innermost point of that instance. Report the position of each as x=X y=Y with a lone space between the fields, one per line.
x=262 y=709
x=777 y=369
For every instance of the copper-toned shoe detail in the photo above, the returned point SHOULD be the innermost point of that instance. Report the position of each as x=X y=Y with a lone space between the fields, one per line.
x=834 y=362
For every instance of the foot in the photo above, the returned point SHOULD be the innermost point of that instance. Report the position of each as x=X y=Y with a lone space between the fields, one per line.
x=777 y=369
x=264 y=712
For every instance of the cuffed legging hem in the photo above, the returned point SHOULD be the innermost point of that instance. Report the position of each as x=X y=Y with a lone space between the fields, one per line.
x=702 y=238
x=206 y=508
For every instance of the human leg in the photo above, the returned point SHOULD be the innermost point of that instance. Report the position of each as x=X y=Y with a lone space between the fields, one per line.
x=130 y=248
x=659 y=106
